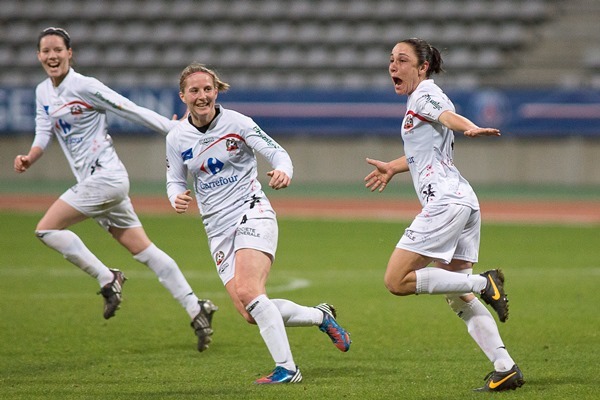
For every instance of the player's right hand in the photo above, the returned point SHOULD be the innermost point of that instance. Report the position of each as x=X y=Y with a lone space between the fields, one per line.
x=22 y=163
x=182 y=201
x=379 y=177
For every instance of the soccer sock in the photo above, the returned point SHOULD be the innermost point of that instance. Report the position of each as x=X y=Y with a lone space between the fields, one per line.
x=170 y=276
x=483 y=329
x=72 y=248
x=439 y=281
x=272 y=330
x=296 y=315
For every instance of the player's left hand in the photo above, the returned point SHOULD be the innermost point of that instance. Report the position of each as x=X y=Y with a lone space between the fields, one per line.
x=475 y=132
x=279 y=179
x=182 y=202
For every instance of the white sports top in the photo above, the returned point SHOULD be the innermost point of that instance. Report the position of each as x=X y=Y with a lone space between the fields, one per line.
x=75 y=112
x=429 y=149
x=223 y=166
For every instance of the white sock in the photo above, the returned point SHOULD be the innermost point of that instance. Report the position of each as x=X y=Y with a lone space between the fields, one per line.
x=72 y=248
x=296 y=315
x=170 y=276
x=272 y=330
x=439 y=281
x=483 y=329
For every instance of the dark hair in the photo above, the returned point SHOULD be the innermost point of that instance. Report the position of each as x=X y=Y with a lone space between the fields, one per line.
x=426 y=52
x=55 y=31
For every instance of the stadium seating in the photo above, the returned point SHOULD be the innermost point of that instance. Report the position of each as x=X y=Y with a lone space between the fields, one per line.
x=270 y=43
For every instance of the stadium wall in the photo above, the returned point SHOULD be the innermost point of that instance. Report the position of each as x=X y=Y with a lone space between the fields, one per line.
x=504 y=160
x=550 y=137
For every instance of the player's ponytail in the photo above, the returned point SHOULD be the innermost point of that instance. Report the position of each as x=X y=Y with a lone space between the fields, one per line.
x=426 y=52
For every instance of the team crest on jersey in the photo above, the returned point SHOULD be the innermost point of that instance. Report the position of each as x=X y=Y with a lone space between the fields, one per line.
x=219 y=257
x=232 y=144
x=408 y=122
x=76 y=110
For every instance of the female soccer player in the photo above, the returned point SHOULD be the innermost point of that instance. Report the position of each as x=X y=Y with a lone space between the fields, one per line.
x=217 y=146
x=73 y=107
x=447 y=231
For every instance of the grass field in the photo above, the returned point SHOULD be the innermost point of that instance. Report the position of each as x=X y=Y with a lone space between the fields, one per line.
x=54 y=343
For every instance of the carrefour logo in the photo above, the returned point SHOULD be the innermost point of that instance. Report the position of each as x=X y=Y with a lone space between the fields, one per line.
x=214 y=165
x=220 y=181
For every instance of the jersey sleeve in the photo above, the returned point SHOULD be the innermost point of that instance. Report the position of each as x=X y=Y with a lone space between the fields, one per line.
x=103 y=97
x=43 y=125
x=176 y=170
x=431 y=106
x=267 y=147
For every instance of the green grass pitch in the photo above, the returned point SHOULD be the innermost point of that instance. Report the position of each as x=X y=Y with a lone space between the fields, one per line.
x=54 y=343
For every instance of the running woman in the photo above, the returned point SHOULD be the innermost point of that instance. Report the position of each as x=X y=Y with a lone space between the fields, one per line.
x=73 y=107
x=447 y=231
x=217 y=146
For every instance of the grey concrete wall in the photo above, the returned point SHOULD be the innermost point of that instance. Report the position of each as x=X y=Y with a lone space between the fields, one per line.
x=567 y=161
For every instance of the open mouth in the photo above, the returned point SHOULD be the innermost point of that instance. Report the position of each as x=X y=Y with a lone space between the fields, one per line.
x=397 y=81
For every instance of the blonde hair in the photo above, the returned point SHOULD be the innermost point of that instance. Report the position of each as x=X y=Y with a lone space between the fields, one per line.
x=196 y=67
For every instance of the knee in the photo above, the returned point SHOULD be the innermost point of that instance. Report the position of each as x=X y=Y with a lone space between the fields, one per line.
x=397 y=288
x=246 y=293
x=245 y=296
x=241 y=308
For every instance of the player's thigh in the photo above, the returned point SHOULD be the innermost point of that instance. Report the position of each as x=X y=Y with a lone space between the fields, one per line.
x=97 y=194
x=436 y=231
x=252 y=269
x=258 y=234
x=467 y=248
x=60 y=215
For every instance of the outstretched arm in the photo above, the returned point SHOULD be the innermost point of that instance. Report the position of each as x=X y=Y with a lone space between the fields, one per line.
x=458 y=123
x=384 y=172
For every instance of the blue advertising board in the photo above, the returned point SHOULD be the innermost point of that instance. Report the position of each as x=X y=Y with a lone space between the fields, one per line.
x=519 y=113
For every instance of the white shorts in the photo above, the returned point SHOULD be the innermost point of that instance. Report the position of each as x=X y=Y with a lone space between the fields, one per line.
x=444 y=233
x=104 y=198
x=256 y=230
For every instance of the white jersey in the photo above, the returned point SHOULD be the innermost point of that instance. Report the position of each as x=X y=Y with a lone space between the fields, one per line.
x=223 y=166
x=75 y=112
x=429 y=149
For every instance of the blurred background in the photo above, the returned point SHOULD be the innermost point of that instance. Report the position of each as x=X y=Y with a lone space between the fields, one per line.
x=313 y=74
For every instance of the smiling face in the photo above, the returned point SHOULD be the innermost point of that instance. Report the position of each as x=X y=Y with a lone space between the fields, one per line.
x=55 y=57
x=199 y=94
x=404 y=69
